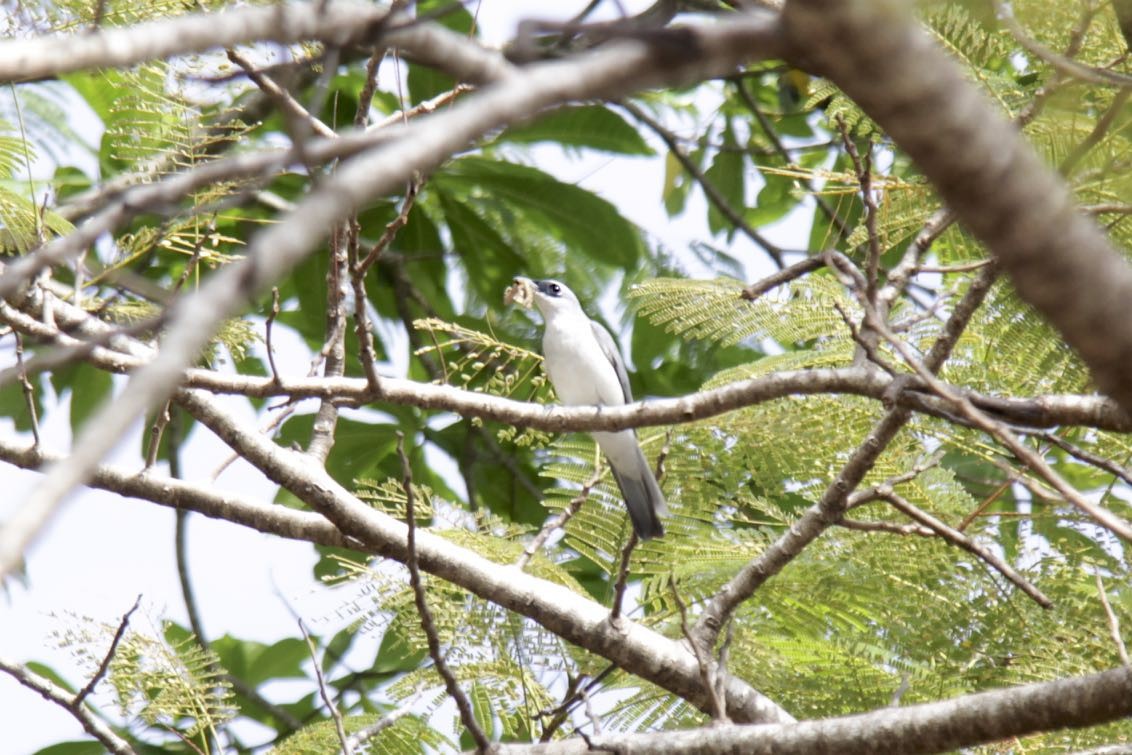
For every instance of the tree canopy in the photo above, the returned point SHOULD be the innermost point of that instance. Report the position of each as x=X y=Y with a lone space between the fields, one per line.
x=895 y=446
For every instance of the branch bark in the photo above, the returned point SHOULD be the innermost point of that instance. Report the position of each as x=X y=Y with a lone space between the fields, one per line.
x=933 y=727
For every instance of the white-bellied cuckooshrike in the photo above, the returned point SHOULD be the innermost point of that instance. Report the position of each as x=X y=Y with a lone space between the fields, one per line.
x=585 y=367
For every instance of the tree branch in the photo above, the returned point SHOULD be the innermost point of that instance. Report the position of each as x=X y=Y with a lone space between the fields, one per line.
x=959 y=540
x=830 y=508
x=1059 y=260
x=52 y=692
x=962 y=722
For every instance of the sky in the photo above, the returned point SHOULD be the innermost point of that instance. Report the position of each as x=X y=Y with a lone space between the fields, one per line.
x=102 y=551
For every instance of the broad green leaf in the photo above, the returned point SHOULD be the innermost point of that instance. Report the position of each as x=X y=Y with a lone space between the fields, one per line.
x=580 y=220
x=496 y=263
x=256 y=662
x=726 y=174
x=592 y=126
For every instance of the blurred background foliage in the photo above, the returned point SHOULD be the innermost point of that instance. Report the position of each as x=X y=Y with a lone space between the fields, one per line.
x=859 y=620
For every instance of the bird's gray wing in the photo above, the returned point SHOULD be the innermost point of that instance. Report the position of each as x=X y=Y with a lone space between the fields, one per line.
x=609 y=348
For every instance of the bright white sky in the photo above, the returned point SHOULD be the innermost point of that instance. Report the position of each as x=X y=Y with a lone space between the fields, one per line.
x=103 y=551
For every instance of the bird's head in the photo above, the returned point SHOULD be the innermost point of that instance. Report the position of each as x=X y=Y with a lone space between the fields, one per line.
x=553 y=297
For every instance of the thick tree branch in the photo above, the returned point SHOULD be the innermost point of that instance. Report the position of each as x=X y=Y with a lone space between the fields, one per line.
x=640 y=650
x=337 y=22
x=202 y=498
x=1035 y=412
x=953 y=724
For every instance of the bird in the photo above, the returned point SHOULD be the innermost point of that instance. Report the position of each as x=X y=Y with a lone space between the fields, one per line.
x=585 y=368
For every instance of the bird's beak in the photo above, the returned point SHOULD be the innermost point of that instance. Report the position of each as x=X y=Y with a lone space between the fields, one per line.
x=521 y=291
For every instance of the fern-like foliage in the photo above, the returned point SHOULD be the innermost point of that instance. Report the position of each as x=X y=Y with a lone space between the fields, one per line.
x=1010 y=349
x=173 y=684
x=478 y=361
x=841 y=109
x=22 y=224
x=235 y=335
x=408 y=734
x=714 y=310
x=154 y=128
x=984 y=52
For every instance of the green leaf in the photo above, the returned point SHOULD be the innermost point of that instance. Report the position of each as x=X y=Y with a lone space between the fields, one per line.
x=256 y=663
x=89 y=387
x=676 y=185
x=47 y=672
x=726 y=174
x=14 y=405
x=361 y=449
x=397 y=654
x=592 y=126
x=497 y=263
x=775 y=200
x=73 y=748
x=582 y=221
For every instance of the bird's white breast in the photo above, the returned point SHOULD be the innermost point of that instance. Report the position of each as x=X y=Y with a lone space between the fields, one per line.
x=578 y=368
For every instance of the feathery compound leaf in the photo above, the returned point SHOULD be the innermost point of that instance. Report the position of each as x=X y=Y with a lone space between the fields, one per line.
x=407 y=735
x=714 y=309
x=172 y=683
x=477 y=361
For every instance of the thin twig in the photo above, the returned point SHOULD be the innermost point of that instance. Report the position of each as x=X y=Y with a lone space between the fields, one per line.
x=561 y=714
x=984 y=504
x=718 y=710
x=785 y=275
x=483 y=745
x=324 y=693
x=965 y=267
x=290 y=107
x=1081 y=454
x=109 y=656
x=557 y=522
x=369 y=88
x=775 y=252
x=334 y=349
x=622 y=580
x=28 y=389
x=391 y=229
x=780 y=149
x=867 y=346
x=267 y=336
x=1060 y=63
x=721 y=666
x=362 y=736
x=156 y=430
x=590 y=713
x=863 y=168
x=1100 y=130
x=959 y=540
x=891 y=528
x=1113 y=622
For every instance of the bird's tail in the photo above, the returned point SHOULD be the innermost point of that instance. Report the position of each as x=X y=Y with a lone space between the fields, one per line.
x=643 y=498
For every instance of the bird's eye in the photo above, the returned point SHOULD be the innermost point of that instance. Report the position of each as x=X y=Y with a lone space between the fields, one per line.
x=555 y=289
